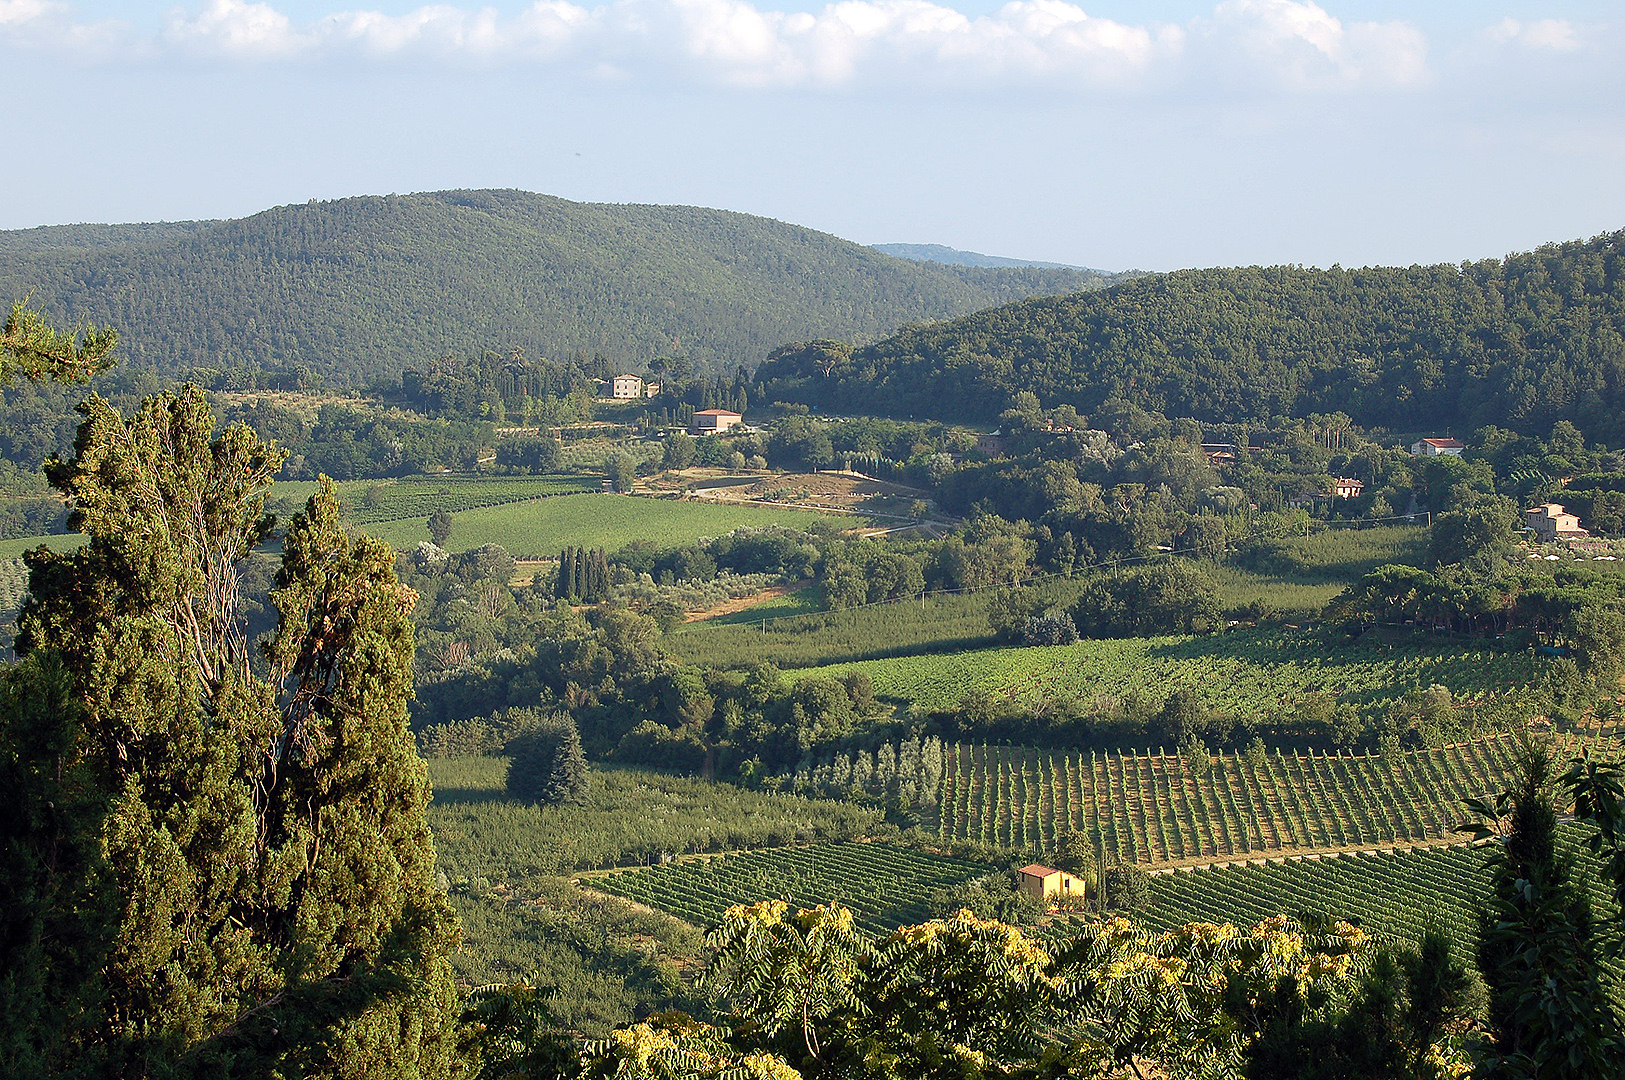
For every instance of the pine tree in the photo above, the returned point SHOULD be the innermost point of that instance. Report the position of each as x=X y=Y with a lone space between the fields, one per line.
x=264 y=843
x=567 y=781
x=546 y=763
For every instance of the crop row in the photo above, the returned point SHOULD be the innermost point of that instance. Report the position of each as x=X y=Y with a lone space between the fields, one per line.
x=1396 y=893
x=1157 y=806
x=885 y=887
x=1261 y=672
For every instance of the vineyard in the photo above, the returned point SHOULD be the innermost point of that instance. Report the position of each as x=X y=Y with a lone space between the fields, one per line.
x=886 y=887
x=1392 y=892
x=541 y=527
x=1396 y=893
x=1152 y=808
x=1259 y=671
x=368 y=502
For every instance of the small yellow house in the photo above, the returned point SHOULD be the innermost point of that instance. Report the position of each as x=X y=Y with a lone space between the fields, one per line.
x=1044 y=882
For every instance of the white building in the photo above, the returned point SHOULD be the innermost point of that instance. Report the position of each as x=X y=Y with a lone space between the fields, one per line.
x=1435 y=447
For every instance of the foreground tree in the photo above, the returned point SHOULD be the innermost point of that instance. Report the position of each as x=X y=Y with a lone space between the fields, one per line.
x=214 y=874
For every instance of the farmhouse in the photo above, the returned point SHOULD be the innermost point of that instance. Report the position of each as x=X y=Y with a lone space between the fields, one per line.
x=1043 y=882
x=714 y=421
x=1435 y=447
x=1345 y=487
x=629 y=387
x=1550 y=521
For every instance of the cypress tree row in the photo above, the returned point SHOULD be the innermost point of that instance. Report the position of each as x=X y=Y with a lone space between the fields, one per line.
x=213 y=874
x=583 y=575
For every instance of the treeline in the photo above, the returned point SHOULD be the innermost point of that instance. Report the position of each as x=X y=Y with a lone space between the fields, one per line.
x=339 y=293
x=1520 y=342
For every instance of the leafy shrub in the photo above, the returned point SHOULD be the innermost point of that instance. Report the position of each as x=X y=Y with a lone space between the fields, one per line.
x=1055 y=628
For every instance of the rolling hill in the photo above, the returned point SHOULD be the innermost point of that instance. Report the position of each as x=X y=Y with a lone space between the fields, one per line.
x=1520 y=342
x=361 y=287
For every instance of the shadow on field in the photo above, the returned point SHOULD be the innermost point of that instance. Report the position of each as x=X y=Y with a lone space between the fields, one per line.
x=455 y=796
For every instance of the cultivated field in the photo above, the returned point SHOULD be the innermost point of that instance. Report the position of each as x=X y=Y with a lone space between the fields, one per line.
x=1394 y=892
x=1246 y=672
x=542 y=527
x=1152 y=808
x=886 y=887
x=630 y=817
x=369 y=501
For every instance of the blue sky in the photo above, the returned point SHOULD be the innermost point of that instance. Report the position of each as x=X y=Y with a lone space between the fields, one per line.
x=1158 y=134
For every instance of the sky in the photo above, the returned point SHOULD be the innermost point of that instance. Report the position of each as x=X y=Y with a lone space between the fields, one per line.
x=1155 y=135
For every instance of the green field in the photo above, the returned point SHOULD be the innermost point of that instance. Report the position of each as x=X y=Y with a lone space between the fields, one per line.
x=13 y=549
x=1152 y=807
x=631 y=817
x=804 y=601
x=1244 y=672
x=1299 y=575
x=541 y=528
x=886 y=887
x=369 y=501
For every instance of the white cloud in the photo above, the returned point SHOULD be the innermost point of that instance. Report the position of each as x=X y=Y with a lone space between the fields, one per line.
x=1281 y=46
x=1557 y=35
x=1302 y=46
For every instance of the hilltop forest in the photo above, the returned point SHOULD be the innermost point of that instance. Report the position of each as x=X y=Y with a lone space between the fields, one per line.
x=350 y=290
x=1520 y=342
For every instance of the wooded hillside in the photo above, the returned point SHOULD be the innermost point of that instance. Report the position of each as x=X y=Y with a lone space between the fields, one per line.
x=1520 y=342
x=361 y=287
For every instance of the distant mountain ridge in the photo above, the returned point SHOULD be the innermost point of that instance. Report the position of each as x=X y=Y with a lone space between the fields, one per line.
x=359 y=288
x=1520 y=343
x=940 y=253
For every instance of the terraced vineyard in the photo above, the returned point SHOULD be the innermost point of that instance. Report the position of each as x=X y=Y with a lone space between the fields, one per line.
x=1392 y=892
x=1151 y=808
x=886 y=887
x=1260 y=671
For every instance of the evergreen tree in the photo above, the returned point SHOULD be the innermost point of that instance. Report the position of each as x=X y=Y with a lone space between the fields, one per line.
x=261 y=846
x=440 y=527
x=567 y=781
x=546 y=763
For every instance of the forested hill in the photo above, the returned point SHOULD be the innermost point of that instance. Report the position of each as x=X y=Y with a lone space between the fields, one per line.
x=365 y=286
x=1520 y=342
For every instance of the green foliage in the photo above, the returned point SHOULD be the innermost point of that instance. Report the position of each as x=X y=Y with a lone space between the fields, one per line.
x=882 y=885
x=1168 y=596
x=546 y=764
x=631 y=817
x=33 y=347
x=263 y=841
x=440 y=528
x=1247 y=344
x=1127 y=888
x=337 y=285
x=1539 y=946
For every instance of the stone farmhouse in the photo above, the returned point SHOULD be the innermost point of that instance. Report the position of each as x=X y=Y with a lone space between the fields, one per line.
x=714 y=421
x=1435 y=447
x=1044 y=883
x=1550 y=521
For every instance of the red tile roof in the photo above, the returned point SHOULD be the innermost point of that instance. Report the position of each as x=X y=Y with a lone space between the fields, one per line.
x=1038 y=871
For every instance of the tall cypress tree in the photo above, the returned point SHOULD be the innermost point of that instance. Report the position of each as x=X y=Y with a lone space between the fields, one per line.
x=264 y=842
